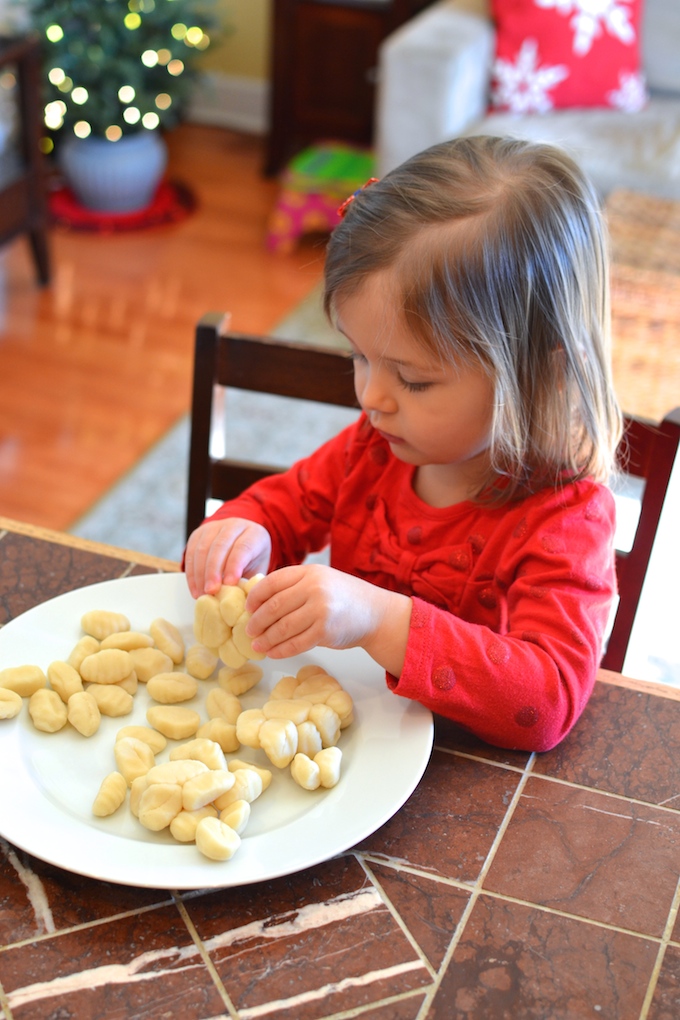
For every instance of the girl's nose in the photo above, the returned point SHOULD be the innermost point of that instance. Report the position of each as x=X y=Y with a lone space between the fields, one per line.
x=375 y=391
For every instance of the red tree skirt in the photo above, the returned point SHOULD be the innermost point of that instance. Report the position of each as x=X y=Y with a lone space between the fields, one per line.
x=172 y=202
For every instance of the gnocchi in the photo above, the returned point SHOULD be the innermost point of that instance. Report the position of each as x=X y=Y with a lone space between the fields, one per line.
x=83 y=713
x=198 y=793
x=10 y=703
x=107 y=666
x=111 y=795
x=23 y=680
x=47 y=710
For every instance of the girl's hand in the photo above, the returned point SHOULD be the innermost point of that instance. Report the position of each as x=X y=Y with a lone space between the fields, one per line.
x=223 y=551
x=296 y=608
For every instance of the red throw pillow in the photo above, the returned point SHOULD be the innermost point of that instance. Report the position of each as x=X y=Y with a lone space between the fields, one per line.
x=553 y=54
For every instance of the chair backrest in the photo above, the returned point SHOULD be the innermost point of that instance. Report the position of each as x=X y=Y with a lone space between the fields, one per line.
x=305 y=371
x=646 y=452
x=260 y=364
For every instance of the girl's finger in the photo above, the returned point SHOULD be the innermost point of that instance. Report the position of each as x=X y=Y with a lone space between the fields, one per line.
x=285 y=629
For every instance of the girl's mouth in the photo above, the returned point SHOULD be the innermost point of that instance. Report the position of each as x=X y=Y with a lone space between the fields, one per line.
x=392 y=440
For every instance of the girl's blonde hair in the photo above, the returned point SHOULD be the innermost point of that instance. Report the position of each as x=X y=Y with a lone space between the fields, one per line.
x=499 y=257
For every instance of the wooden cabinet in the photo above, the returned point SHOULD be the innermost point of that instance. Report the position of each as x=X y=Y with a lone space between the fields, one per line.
x=23 y=192
x=323 y=70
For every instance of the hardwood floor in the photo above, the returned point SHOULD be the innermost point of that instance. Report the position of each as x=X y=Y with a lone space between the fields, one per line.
x=96 y=367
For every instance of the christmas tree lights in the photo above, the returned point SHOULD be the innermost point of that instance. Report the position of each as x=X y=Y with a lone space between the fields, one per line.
x=114 y=67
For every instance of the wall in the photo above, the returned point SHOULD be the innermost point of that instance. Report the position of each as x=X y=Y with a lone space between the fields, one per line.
x=235 y=86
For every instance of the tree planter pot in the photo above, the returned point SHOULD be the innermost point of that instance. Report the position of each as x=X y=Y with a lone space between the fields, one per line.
x=118 y=177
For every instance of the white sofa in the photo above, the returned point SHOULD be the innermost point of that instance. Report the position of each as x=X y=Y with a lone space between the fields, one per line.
x=434 y=75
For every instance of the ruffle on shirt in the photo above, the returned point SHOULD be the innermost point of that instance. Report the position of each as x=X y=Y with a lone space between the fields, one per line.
x=437 y=575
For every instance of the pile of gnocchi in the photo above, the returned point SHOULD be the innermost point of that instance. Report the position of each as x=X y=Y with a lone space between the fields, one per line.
x=196 y=793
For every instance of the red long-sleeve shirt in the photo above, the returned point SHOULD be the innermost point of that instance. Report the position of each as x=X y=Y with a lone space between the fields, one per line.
x=509 y=603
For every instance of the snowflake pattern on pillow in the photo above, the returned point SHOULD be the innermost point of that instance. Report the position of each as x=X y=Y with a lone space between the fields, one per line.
x=556 y=54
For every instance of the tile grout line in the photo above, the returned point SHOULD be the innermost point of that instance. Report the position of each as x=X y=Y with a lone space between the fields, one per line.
x=466 y=887
x=396 y=916
x=355 y=1012
x=4 y=1003
x=477 y=888
x=205 y=956
x=48 y=935
x=564 y=782
x=665 y=940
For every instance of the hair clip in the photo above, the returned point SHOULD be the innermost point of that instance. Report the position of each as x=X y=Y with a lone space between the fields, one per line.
x=342 y=209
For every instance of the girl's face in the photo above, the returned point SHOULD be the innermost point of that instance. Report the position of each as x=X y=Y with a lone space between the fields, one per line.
x=434 y=415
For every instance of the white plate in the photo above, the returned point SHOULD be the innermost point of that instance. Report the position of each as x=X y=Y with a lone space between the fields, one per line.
x=49 y=781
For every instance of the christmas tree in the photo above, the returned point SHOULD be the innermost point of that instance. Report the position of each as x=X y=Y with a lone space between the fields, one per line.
x=114 y=67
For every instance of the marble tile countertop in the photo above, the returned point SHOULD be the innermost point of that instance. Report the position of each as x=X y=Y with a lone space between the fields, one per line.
x=510 y=886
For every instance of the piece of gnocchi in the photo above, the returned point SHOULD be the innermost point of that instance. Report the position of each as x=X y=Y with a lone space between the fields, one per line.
x=210 y=629
x=230 y=655
x=64 y=679
x=111 y=700
x=183 y=825
x=317 y=688
x=133 y=757
x=174 y=721
x=327 y=722
x=222 y=732
x=238 y=681
x=216 y=840
x=87 y=645
x=168 y=638
x=305 y=772
x=201 y=662
x=111 y=795
x=232 y=602
x=223 y=705
x=107 y=666
x=148 y=662
x=99 y=623
x=129 y=684
x=47 y=710
x=294 y=709
x=265 y=774
x=172 y=688
x=23 y=680
x=248 y=726
x=329 y=761
x=178 y=771
x=128 y=640
x=200 y=749
x=206 y=787
x=159 y=804
x=247 y=786
x=150 y=736
x=341 y=702
x=83 y=713
x=285 y=688
x=236 y=816
x=242 y=641
x=10 y=703
x=278 y=740
x=309 y=739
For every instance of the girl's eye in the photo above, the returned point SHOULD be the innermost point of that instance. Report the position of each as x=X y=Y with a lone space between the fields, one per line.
x=414 y=387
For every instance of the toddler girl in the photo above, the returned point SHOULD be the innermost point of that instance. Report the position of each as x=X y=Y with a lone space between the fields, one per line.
x=470 y=529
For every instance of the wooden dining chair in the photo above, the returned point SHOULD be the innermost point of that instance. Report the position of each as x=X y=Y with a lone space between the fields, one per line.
x=317 y=373
x=647 y=453
x=260 y=364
